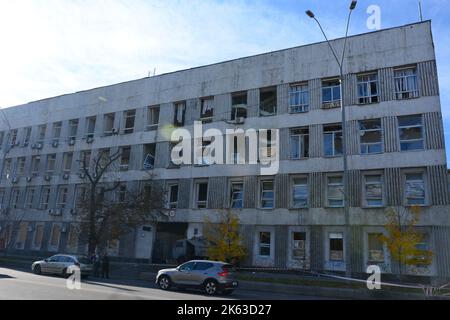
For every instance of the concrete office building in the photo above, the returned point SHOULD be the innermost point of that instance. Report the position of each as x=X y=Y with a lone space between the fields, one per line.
x=294 y=219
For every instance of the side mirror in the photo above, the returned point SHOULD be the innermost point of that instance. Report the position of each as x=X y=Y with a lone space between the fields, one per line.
x=45 y=260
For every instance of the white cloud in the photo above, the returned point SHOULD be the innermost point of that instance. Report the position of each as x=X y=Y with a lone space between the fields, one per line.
x=52 y=47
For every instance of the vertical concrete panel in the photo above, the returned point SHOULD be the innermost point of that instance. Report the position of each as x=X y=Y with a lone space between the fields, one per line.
x=248 y=238
x=352 y=134
x=140 y=120
x=317 y=248
x=441 y=257
x=192 y=111
x=167 y=114
x=217 y=193
x=315 y=141
x=284 y=146
x=428 y=78
x=355 y=187
x=184 y=193
x=437 y=177
x=386 y=78
x=162 y=155
x=390 y=129
x=316 y=189
x=283 y=98
x=222 y=107
x=253 y=103
x=393 y=186
x=356 y=249
x=282 y=191
x=434 y=130
x=315 y=94
x=281 y=246
x=137 y=157
x=251 y=188
x=349 y=90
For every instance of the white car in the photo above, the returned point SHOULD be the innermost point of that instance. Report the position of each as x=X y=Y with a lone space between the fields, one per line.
x=60 y=263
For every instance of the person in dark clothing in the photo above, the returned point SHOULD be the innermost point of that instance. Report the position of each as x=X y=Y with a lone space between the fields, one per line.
x=105 y=266
x=96 y=262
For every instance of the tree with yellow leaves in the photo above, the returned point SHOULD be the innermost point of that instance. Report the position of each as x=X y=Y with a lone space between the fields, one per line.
x=224 y=238
x=403 y=237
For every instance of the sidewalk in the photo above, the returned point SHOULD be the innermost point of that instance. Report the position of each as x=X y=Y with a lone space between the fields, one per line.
x=260 y=281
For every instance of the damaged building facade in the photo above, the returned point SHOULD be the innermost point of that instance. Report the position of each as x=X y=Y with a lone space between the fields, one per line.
x=293 y=219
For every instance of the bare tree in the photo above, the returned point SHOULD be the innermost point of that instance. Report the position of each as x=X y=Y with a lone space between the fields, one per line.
x=104 y=217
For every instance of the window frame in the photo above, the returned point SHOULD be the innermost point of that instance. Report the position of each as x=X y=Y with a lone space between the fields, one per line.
x=327 y=192
x=364 y=190
x=425 y=186
x=409 y=93
x=152 y=122
x=262 y=198
x=293 y=185
x=180 y=106
x=129 y=115
x=334 y=135
x=299 y=92
x=172 y=204
x=208 y=116
x=364 y=80
x=265 y=245
x=367 y=145
x=267 y=91
x=411 y=141
x=330 y=84
x=330 y=251
x=232 y=193
x=303 y=150
x=201 y=204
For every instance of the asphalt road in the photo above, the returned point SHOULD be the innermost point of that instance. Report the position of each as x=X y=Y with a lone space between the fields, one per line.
x=23 y=285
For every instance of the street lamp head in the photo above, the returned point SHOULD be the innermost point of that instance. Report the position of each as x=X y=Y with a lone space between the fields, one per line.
x=310 y=14
x=353 y=4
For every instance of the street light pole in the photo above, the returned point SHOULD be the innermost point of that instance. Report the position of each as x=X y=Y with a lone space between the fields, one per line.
x=340 y=63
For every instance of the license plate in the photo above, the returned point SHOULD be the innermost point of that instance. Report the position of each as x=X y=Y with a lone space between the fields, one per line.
x=235 y=284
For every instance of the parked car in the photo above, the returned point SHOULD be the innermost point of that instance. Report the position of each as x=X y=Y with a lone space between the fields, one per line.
x=60 y=263
x=210 y=276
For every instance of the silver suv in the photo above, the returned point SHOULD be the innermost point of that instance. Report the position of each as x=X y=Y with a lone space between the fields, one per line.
x=211 y=276
x=60 y=263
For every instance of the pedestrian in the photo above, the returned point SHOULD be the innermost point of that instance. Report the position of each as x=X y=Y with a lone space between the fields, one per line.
x=105 y=266
x=96 y=263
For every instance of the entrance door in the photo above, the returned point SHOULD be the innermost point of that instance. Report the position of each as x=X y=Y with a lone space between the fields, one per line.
x=144 y=242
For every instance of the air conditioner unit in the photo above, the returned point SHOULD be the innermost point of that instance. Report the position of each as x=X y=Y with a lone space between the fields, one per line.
x=66 y=176
x=15 y=180
x=29 y=179
x=72 y=141
x=55 y=144
x=37 y=146
x=115 y=131
x=48 y=177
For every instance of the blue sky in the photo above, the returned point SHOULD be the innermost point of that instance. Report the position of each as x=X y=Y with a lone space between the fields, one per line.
x=52 y=47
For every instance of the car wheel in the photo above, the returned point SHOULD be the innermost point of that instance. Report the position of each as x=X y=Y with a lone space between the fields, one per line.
x=37 y=270
x=210 y=287
x=164 y=283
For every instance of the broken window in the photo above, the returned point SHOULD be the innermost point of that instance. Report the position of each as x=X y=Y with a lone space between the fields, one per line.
x=415 y=188
x=41 y=133
x=239 y=106
x=335 y=192
x=207 y=110
x=45 y=198
x=411 y=133
x=15 y=198
x=336 y=247
x=149 y=156
x=202 y=195
x=331 y=94
x=268 y=102
x=67 y=162
x=108 y=126
x=173 y=196
x=125 y=158
x=130 y=118
x=373 y=190
x=21 y=166
x=300 y=193
x=180 y=114
x=153 y=118
x=13 y=139
x=265 y=244
x=237 y=195
x=267 y=194
x=299 y=143
x=57 y=131
x=368 y=88
x=376 y=248
x=62 y=196
x=35 y=164
x=299 y=98
x=406 y=83
x=51 y=162
x=27 y=136
x=333 y=140
x=73 y=128
x=298 y=245
x=29 y=198
x=90 y=127
x=371 y=136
